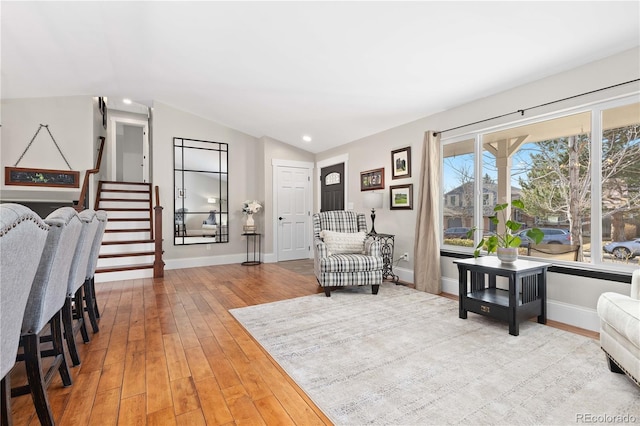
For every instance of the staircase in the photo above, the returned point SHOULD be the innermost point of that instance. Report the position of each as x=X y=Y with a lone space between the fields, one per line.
x=127 y=250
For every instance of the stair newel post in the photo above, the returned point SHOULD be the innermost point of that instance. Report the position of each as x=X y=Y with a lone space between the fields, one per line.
x=158 y=264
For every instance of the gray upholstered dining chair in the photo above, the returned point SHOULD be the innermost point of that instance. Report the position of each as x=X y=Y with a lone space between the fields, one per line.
x=44 y=306
x=91 y=304
x=22 y=238
x=73 y=310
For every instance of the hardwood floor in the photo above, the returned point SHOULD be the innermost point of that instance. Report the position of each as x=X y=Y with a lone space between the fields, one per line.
x=169 y=353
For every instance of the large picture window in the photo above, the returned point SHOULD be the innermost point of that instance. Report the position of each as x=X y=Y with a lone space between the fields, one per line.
x=556 y=167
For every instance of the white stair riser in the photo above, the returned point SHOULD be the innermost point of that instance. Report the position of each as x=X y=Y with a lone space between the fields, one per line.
x=103 y=277
x=106 y=186
x=126 y=236
x=124 y=205
x=124 y=261
x=126 y=215
x=127 y=195
x=128 y=225
x=126 y=248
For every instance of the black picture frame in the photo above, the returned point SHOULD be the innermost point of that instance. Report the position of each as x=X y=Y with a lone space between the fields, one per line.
x=372 y=179
x=401 y=197
x=401 y=163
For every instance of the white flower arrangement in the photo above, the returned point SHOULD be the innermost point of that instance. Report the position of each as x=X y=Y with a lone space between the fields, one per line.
x=251 y=207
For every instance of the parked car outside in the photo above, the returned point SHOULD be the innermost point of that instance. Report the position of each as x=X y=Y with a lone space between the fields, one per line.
x=623 y=249
x=457 y=232
x=551 y=236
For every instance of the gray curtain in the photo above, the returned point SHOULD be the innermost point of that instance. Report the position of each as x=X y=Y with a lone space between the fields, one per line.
x=426 y=270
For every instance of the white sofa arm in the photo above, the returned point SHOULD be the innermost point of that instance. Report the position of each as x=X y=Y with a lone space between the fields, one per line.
x=635 y=285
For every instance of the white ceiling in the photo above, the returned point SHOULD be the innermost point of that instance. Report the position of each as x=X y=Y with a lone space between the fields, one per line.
x=337 y=71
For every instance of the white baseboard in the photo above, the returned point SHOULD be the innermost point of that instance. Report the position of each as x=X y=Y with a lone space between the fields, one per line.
x=577 y=316
x=193 y=262
x=404 y=274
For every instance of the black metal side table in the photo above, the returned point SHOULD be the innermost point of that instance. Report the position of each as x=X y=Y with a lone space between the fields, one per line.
x=255 y=239
x=386 y=246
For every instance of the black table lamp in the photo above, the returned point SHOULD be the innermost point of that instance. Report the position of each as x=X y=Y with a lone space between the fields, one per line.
x=373 y=201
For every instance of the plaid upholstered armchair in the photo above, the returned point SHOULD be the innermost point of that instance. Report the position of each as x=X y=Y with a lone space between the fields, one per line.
x=344 y=255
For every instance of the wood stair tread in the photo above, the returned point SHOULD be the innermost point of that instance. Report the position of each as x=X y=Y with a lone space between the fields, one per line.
x=111 y=209
x=115 y=182
x=129 y=219
x=129 y=191
x=109 y=231
x=110 y=243
x=125 y=268
x=128 y=200
x=133 y=254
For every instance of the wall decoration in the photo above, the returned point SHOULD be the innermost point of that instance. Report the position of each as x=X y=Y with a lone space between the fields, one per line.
x=401 y=197
x=102 y=107
x=41 y=177
x=401 y=163
x=372 y=179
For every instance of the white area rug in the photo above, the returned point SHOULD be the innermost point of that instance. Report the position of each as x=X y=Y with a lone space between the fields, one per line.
x=403 y=357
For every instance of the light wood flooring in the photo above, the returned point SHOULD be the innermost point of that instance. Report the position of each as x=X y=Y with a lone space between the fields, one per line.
x=169 y=353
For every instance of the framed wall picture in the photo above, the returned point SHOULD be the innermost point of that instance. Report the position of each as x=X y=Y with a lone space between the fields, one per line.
x=41 y=177
x=372 y=179
x=401 y=163
x=401 y=197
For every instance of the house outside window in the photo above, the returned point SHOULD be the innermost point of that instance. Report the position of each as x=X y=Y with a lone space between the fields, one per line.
x=571 y=180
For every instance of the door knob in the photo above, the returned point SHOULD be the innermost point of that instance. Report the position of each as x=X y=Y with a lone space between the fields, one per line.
x=280 y=218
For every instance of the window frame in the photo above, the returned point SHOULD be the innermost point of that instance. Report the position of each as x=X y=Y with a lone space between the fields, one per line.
x=596 y=109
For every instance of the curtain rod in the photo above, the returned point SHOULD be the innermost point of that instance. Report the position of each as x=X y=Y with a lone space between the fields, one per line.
x=522 y=111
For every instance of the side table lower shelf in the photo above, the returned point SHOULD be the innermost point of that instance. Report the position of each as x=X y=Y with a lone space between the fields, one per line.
x=255 y=259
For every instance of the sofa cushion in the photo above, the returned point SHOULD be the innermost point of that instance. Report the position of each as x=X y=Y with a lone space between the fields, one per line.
x=351 y=263
x=343 y=242
x=622 y=313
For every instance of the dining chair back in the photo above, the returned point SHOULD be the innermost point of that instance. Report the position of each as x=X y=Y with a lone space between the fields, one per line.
x=44 y=306
x=73 y=310
x=22 y=237
x=92 y=264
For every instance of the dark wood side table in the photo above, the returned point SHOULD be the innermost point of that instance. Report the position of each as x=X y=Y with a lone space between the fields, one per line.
x=525 y=298
x=386 y=246
x=254 y=239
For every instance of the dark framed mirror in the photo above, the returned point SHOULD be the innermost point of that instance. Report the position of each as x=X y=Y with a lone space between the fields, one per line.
x=201 y=212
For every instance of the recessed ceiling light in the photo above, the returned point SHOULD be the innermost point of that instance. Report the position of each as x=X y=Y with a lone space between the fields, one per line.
x=127 y=101
x=306 y=138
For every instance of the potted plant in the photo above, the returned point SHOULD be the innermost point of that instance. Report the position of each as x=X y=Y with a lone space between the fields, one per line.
x=505 y=244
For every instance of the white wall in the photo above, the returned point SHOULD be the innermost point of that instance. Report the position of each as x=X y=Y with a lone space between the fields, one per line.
x=568 y=295
x=71 y=121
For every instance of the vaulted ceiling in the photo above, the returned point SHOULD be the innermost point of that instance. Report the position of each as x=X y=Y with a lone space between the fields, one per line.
x=336 y=71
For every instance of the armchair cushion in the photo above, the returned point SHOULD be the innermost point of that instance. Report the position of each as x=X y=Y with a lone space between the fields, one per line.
x=343 y=242
x=351 y=263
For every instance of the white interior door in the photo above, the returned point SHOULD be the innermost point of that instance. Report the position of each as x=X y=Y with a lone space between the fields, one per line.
x=293 y=212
